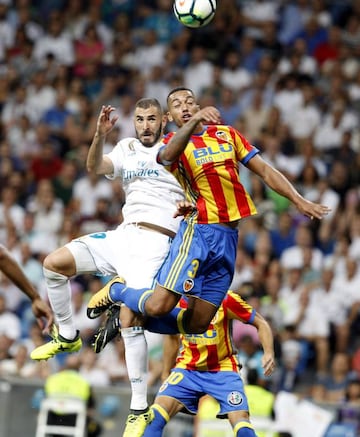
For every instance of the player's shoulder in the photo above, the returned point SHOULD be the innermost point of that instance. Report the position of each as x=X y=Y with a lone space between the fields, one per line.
x=233 y=300
x=129 y=143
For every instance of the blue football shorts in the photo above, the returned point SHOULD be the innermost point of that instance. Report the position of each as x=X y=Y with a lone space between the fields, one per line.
x=188 y=386
x=200 y=262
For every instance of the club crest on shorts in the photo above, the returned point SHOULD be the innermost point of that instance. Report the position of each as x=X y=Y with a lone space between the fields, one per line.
x=188 y=285
x=234 y=398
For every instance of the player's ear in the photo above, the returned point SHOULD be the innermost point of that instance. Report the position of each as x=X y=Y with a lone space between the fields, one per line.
x=169 y=117
x=164 y=121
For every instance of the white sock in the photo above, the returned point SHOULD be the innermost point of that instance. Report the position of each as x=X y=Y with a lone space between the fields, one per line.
x=137 y=364
x=59 y=292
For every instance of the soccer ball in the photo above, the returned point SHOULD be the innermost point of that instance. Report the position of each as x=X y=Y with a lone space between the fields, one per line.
x=194 y=13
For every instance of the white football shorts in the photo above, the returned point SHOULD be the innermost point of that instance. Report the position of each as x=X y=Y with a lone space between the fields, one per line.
x=128 y=251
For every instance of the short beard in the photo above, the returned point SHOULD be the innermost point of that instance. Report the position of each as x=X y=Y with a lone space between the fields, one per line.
x=157 y=136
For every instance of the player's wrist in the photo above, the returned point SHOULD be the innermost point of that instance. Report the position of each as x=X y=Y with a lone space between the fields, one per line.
x=99 y=135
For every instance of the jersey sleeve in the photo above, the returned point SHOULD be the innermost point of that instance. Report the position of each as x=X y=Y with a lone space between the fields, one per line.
x=244 y=150
x=117 y=157
x=236 y=308
x=164 y=141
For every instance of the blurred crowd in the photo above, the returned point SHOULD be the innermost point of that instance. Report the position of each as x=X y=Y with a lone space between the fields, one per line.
x=285 y=73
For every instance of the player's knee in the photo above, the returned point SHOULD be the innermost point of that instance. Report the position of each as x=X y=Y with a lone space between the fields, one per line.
x=129 y=319
x=56 y=263
x=49 y=263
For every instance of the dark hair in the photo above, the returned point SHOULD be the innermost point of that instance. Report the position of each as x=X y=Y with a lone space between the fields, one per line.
x=147 y=103
x=179 y=88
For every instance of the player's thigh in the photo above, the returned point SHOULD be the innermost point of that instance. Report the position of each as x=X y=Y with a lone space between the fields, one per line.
x=201 y=260
x=161 y=301
x=183 y=386
x=132 y=253
x=202 y=312
x=228 y=389
x=146 y=253
x=85 y=258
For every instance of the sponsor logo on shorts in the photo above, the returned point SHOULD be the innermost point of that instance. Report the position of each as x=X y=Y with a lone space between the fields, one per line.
x=234 y=398
x=188 y=285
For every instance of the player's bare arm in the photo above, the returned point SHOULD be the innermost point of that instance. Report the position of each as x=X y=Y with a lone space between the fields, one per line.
x=179 y=141
x=96 y=162
x=267 y=343
x=13 y=271
x=279 y=183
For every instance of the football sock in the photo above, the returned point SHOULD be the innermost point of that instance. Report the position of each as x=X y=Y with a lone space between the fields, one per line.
x=244 y=429
x=136 y=364
x=155 y=428
x=133 y=298
x=167 y=324
x=59 y=292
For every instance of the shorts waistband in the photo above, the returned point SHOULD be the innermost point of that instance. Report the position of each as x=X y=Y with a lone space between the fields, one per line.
x=232 y=225
x=154 y=228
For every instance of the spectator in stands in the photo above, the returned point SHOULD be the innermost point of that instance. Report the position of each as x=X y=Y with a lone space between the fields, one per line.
x=10 y=328
x=69 y=383
x=47 y=210
x=55 y=42
x=11 y=214
x=261 y=403
x=91 y=370
x=47 y=164
x=233 y=75
x=336 y=382
x=112 y=359
x=349 y=410
x=41 y=95
x=87 y=190
x=198 y=74
x=292 y=257
x=86 y=325
x=283 y=235
x=20 y=365
x=88 y=50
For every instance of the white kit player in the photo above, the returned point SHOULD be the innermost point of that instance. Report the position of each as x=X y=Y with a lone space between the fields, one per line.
x=135 y=250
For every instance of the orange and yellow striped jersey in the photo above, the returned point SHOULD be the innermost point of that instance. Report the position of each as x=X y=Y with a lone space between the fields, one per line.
x=208 y=170
x=213 y=350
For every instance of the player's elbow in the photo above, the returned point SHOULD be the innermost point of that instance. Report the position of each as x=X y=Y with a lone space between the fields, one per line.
x=4 y=254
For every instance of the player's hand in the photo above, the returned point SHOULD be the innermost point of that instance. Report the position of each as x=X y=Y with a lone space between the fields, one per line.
x=209 y=114
x=104 y=122
x=184 y=207
x=268 y=364
x=42 y=311
x=312 y=210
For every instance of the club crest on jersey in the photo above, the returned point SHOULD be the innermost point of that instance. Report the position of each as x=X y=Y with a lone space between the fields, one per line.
x=221 y=135
x=234 y=398
x=188 y=285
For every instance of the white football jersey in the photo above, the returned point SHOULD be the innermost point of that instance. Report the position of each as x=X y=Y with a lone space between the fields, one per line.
x=151 y=191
